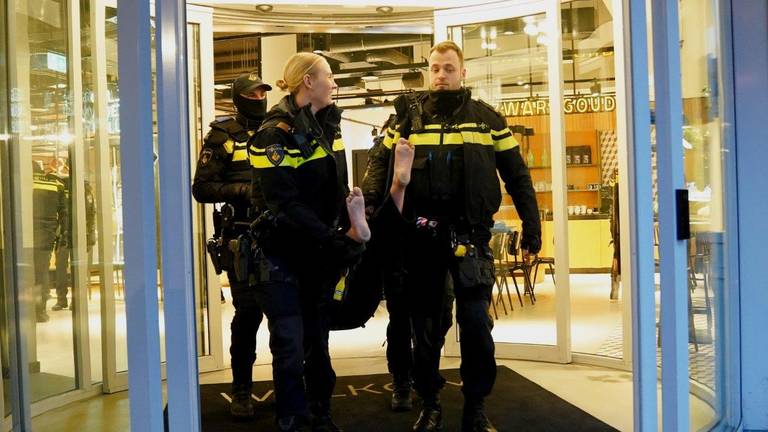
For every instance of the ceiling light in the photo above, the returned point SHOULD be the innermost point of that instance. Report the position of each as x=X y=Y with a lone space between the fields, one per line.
x=493 y=33
x=369 y=77
x=385 y=9
x=265 y=8
x=484 y=45
x=509 y=32
x=531 y=29
x=318 y=52
x=482 y=33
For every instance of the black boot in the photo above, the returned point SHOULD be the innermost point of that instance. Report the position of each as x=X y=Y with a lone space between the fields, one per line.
x=401 y=395
x=241 y=406
x=292 y=424
x=474 y=419
x=431 y=416
x=321 y=417
x=60 y=304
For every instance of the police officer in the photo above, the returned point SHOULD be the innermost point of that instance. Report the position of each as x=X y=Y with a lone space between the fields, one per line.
x=50 y=219
x=300 y=177
x=451 y=197
x=224 y=175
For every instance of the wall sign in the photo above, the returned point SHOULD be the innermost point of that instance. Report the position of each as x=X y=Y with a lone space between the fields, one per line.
x=571 y=105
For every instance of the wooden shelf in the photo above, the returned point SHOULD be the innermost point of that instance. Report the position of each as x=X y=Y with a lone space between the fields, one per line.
x=573 y=190
x=567 y=166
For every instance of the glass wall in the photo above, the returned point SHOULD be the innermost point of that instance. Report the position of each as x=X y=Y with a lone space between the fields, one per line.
x=62 y=198
x=592 y=177
x=704 y=153
x=43 y=131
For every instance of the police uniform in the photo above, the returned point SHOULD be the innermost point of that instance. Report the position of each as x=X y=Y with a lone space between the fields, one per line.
x=223 y=174
x=453 y=194
x=300 y=176
x=50 y=215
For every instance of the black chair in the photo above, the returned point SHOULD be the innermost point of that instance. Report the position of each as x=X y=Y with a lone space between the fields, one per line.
x=500 y=271
x=518 y=267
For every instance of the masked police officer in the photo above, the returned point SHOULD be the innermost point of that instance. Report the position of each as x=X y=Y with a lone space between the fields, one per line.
x=452 y=195
x=223 y=175
x=300 y=177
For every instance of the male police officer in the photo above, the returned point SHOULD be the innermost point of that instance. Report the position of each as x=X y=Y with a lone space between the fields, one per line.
x=224 y=175
x=453 y=194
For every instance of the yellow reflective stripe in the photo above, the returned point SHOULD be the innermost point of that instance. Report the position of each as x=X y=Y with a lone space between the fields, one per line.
x=338 y=144
x=497 y=133
x=260 y=160
x=391 y=138
x=505 y=144
x=53 y=187
x=451 y=138
x=229 y=146
x=240 y=154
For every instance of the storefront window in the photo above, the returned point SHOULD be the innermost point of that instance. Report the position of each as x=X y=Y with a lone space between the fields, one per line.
x=42 y=125
x=704 y=152
x=506 y=63
x=592 y=178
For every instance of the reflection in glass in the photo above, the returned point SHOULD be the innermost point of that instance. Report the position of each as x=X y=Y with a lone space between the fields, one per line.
x=44 y=108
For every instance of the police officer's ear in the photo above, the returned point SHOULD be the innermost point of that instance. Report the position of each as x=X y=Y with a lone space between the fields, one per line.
x=308 y=80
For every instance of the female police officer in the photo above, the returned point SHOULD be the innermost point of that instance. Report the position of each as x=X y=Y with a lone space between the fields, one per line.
x=300 y=177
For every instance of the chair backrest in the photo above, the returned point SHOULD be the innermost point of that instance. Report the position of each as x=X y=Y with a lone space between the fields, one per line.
x=497 y=245
x=512 y=243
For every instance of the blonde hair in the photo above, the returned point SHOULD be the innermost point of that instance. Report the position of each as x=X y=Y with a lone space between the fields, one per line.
x=297 y=66
x=445 y=46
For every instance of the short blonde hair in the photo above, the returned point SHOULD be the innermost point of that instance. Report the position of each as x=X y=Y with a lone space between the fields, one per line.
x=445 y=46
x=295 y=68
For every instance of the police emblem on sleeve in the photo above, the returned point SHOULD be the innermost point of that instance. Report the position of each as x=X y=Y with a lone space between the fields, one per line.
x=275 y=154
x=205 y=156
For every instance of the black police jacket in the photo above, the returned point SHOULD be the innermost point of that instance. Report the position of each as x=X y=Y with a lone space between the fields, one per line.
x=50 y=208
x=486 y=145
x=223 y=172
x=300 y=176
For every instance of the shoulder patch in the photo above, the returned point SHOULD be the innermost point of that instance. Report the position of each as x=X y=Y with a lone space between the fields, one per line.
x=275 y=153
x=205 y=157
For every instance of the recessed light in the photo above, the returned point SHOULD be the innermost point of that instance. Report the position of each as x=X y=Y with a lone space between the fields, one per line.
x=369 y=77
x=264 y=8
x=385 y=9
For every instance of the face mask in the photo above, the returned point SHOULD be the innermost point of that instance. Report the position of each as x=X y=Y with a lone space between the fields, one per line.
x=446 y=102
x=250 y=108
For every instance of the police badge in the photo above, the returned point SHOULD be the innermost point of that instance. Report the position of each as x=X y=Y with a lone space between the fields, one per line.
x=275 y=154
x=205 y=156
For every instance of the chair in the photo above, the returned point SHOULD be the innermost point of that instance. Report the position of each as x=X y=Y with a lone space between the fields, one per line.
x=518 y=268
x=500 y=271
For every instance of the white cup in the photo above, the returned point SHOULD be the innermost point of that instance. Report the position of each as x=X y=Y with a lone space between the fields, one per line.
x=583 y=209
x=589 y=211
x=570 y=210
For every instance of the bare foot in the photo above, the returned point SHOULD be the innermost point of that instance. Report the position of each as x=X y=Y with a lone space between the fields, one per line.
x=356 y=209
x=404 y=152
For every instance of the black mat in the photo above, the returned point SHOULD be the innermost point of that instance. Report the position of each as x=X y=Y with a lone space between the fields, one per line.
x=361 y=403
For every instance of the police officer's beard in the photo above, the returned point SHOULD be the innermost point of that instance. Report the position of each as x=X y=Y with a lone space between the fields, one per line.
x=446 y=102
x=251 y=109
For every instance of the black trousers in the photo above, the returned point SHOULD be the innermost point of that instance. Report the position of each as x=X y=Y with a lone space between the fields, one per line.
x=296 y=303
x=429 y=259
x=244 y=326
x=63 y=280
x=44 y=239
x=399 y=350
